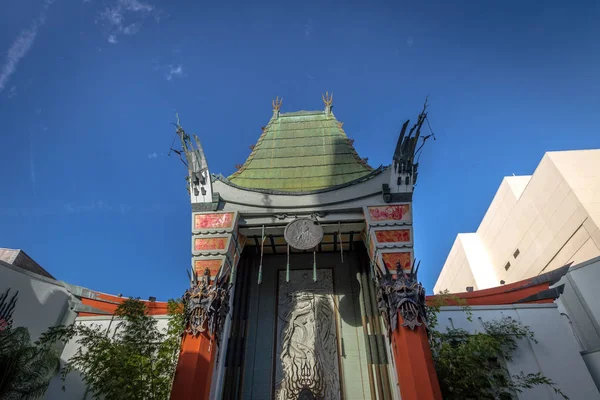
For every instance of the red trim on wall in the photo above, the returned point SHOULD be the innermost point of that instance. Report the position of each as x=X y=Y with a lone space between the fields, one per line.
x=194 y=368
x=414 y=364
x=106 y=303
x=502 y=295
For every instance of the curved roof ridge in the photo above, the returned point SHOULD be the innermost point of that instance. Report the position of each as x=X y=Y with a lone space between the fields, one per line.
x=371 y=175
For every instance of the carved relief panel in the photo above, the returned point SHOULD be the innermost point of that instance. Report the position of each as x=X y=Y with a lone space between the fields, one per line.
x=306 y=363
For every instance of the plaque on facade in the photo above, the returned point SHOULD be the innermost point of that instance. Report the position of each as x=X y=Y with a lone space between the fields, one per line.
x=306 y=359
x=303 y=233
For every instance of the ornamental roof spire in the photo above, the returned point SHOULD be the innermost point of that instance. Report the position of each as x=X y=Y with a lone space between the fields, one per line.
x=199 y=182
x=276 y=107
x=328 y=100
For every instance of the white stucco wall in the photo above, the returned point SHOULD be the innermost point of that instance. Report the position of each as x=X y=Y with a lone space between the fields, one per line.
x=551 y=217
x=74 y=387
x=42 y=302
x=556 y=354
x=580 y=306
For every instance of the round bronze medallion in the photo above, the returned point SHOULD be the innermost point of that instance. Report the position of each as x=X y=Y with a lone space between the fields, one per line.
x=303 y=233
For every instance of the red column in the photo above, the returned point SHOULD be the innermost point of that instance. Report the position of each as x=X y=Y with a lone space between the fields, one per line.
x=414 y=364
x=194 y=369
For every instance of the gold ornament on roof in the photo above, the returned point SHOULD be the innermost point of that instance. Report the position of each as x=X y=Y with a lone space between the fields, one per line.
x=327 y=99
x=277 y=103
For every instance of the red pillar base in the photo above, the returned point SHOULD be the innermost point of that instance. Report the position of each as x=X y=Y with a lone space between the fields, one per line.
x=194 y=368
x=414 y=364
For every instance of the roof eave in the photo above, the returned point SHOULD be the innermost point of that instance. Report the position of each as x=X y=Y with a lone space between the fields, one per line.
x=372 y=174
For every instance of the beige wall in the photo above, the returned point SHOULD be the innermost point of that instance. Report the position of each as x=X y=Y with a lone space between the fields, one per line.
x=551 y=217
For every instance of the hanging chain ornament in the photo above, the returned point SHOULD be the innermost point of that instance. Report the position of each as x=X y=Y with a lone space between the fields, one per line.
x=287 y=268
x=262 y=242
x=341 y=241
x=314 y=266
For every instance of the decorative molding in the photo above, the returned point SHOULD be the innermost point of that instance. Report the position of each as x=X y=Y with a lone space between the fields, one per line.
x=210 y=245
x=217 y=252
x=394 y=214
x=392 y=258
x=405 y=197
x=219 y=222
x=392 y=237
x=213 y=263
x=208 y=206
x=404 y=295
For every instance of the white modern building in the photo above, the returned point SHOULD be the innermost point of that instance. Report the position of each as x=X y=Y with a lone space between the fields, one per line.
x=535 y=224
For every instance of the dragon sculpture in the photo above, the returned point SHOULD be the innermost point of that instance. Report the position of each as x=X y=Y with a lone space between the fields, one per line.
x=404 y=295
x=206 y=306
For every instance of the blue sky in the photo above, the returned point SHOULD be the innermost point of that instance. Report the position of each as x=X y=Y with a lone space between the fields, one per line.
x=88 y=90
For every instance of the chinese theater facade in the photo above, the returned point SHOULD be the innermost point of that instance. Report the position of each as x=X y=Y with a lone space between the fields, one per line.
x=303 y=282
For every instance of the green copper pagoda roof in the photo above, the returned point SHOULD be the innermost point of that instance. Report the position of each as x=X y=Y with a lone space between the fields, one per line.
x=301 y=152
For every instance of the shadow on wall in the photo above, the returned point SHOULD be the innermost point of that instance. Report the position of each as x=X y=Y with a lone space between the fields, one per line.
x=349 y=300
x=41 y=303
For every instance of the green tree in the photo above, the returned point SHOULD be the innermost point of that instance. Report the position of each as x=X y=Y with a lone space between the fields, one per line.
x=472 y=365
x=25 y=368
x=137 y=362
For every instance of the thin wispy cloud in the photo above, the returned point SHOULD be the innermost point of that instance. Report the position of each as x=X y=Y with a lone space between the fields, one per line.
x=177 y=49
x=132 y=29
x=410 y=41
x=98 y=205
x=152 y=156
x=18 y=49
x=308 y=28
x=74 y=208
x=31 y=162
x=169 y=71
x=174 y=71
x=21 y=46
x=125 y=17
